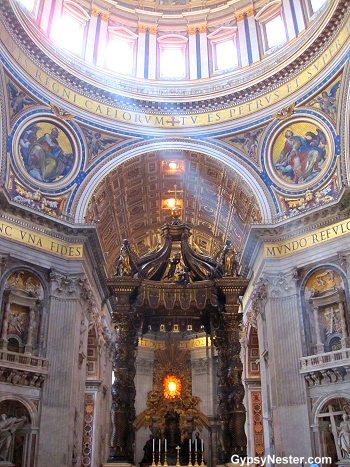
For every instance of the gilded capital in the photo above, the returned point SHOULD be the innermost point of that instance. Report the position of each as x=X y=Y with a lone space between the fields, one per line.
x=191 y=30
x=153 y=30
x=250 y=12
x=105 y=17
x=94 y=13
x=142 y=28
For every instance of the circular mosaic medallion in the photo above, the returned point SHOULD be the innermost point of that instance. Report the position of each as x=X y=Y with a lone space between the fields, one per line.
x=46 y=152
x=300 y=153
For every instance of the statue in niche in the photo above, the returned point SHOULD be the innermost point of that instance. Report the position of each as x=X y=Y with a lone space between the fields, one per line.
x=333 y=320
x=17 y=322
x=8 y=426
x=344 y=436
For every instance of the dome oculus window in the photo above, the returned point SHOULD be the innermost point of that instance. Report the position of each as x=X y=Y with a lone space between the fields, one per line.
x=69 y=29
x=272 y=27
x=120 y=50
x=172 y=56
x=224 y=48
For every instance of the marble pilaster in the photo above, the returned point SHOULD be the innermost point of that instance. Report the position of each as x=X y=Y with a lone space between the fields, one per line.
x=63 y=393
x=285 y=403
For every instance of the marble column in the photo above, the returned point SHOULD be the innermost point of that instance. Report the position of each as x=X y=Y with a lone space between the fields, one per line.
x=204 y=58
x=319 y=343
x=243 y=39
x=253 y=35
x=152 y=55
x=141 y=50
x=91 y=38
x=192 y=51
x=102 y=39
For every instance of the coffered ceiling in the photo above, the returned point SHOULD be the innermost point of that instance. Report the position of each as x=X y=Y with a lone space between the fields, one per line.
x=130 y=202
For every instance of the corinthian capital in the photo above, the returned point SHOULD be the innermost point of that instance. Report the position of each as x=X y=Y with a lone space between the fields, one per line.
x=68 y=286
x=283 y=284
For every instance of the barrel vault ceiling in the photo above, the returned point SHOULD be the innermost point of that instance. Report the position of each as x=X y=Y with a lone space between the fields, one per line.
x=130 y=202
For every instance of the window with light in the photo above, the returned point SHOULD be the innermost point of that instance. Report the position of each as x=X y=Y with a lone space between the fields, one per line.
x=316 y=5
x=68 y=30
x=275 y=32
x=120 y=55
x=172 y=63
x=224 y=48
x=172 y=56
x=30 y=5
x=226 y=55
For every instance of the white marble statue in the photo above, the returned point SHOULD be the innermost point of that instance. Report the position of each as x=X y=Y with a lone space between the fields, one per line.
x=8 y=425
x=344 y=436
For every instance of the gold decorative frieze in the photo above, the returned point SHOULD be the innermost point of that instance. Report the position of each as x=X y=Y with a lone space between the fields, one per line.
x=186 y=344
x=130 y=117
x=40 y=240
x=277 y=250
x=255 y=103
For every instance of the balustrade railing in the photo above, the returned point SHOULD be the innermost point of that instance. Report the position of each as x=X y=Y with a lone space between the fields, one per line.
x=23 y=360
x=325 y=360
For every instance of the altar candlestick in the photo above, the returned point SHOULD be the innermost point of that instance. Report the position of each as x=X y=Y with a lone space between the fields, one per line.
x=159 y=462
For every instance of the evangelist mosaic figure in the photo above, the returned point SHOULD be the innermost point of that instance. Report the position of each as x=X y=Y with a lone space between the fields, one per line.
x=301 y=157
x=46 y=152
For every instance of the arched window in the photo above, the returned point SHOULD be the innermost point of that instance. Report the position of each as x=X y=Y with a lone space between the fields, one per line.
x=316 y=5
x=121 y=50
x=224 y=49
x=172 y=56
x=272 y=27
x=30 y=5
x=69 y=29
